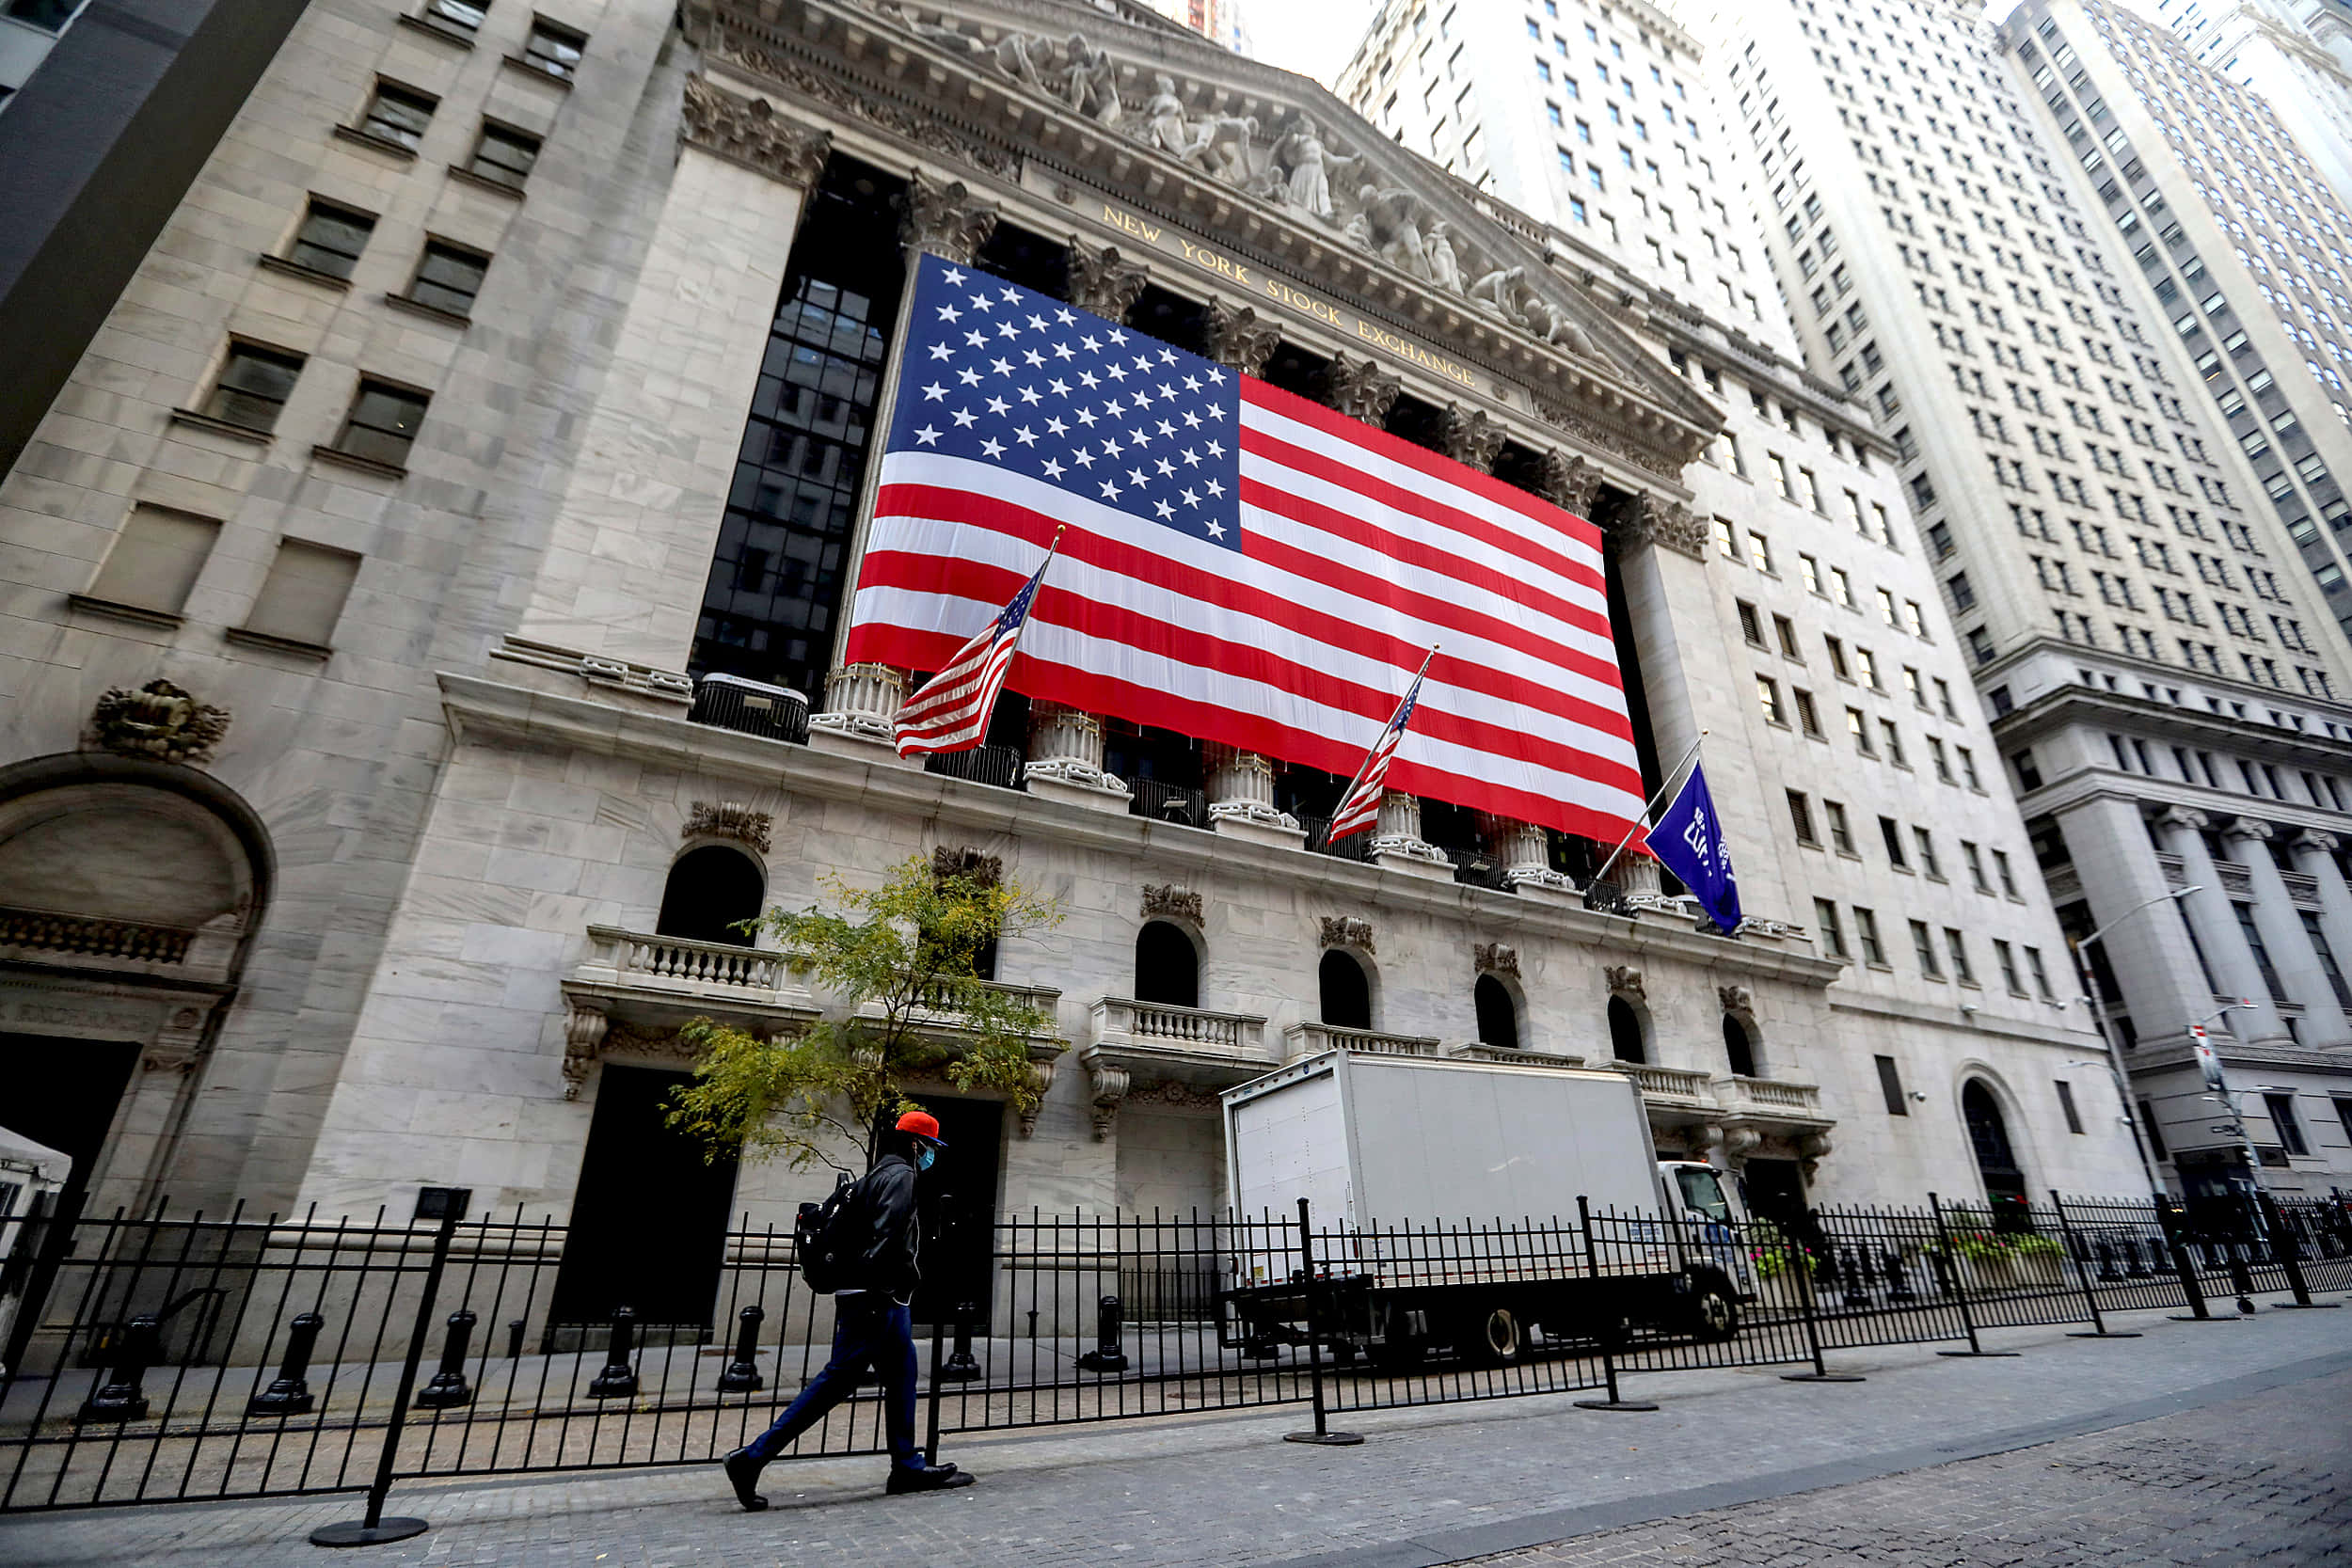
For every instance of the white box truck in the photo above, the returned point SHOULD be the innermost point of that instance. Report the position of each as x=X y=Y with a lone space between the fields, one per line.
x=1443 y=1197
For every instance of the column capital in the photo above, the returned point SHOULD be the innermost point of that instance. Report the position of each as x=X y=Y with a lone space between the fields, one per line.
x=2315 y=838
x=1470 y=437
x=1652 y=520
x=2247 y=827
x=1240 y=339
x=1568 y=481
x=1360 y=388
x=944 y=218
x=2183 y=816
x=1102 y=280
x=751 y=131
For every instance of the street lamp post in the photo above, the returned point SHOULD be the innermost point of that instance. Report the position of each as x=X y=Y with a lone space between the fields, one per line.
x=2099 y=1021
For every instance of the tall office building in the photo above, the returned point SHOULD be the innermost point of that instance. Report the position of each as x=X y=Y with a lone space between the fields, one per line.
x=2166 y=685
x=2298 y=54
x=1222 y=21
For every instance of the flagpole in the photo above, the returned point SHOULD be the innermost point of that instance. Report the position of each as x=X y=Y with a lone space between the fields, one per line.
x=1359 y=777
x=1650 y=807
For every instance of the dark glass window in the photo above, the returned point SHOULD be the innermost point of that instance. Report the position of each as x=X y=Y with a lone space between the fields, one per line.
x=460 y=16
x=504 y=156
x=1498 y=1017
x=1625 y=1032
x=2066 y=1104
x=253 y=386
x=778 y=578
x=449 y=277
x=711 y=893
x=331 y=238
x=1891 y=1086
x=1168 y=966
x=382 y=424
x=50 y=16
x=1346 y=993
x=399 y=115
x=555 y=50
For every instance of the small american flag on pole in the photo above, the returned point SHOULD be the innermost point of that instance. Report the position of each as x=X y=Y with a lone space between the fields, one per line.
x=1359 y=808
x=951 y=712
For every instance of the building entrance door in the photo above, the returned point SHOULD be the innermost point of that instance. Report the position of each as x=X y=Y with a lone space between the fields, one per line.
x=1776 y=1191
x=1988 y=1132
x=649 y=1220
x=62 y=1093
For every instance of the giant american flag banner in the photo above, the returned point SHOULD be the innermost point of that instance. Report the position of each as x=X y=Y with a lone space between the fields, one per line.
x=1240 y=564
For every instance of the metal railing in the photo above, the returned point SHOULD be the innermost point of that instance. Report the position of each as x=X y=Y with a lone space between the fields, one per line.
x=999 y=765
x=1355 y=846
x=1167 y=802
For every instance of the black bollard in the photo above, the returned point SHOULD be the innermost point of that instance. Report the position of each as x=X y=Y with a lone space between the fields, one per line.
x=742 y=1373
x=962 y=1366
x=289 y=1393
x=447 y=1389
x=618 y=1379
x=1110 y=1317
x=514 y=1338
x=121 y=1398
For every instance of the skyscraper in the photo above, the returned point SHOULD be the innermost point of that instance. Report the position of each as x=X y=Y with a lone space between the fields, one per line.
x=2165 y=686
x=2298 y=54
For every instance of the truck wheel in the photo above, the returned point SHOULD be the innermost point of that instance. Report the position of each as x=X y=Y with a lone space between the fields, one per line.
x=1494 y=1337
x=1714 y=1315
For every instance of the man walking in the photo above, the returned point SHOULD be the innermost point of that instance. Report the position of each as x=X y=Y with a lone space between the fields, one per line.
x=871 y=1321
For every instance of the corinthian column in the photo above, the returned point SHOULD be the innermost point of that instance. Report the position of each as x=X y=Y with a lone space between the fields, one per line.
x=1397 y=844
x=1066 y=759
x=1525 y=853
x=2292 y=953
x=860 y=706
x=1240 y=799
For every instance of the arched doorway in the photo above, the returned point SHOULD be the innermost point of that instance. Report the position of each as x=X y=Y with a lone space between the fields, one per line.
x=1625 y=1032
x=1497 y=1016
x=1987 y=1134
x=1738 y=1047
x=1346 y=992
x=710 y=891
x=1168 y=966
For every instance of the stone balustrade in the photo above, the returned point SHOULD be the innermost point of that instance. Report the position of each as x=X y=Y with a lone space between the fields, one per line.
x=1769 y=1096
x=40 y=932
x=1121 y=1020
x=1505 y=1056
x=1668 y=1085
x=1309 y=1039
x=716 y=966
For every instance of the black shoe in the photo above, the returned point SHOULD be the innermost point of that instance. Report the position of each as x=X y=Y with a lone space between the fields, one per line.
x=744 y=1474
x=928 y=1478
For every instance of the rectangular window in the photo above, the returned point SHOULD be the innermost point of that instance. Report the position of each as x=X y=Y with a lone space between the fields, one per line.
x=503 y=156
x=1943 y=762
x=1836 y=658
x=1768 y=697
x=1751 y=623
x=2327 y=955
x=382 y=424
x=2008 y=882
x=1726 y=543
x=398 y=115
x=1867 y=663
x=1866 y=931
x=2005 y=956
x=1923 y=948
x=1785 y=630
x=1894 y=738
x=1891 y=835
x=1974 y=858
x=2066 y=1103
x=1926 y=841
x=554 y=49
x=1858 y=725
x=253 y=386
x=1825 y=922
x=458 y=16
x=1968 y=768
x=1841 y=832
x=1956 y=945
x=1809 y=571
x=1891 y=1085
x=448 y=277
x=331 y=238
x=2282 y=1108
x=303 y=596
x=2343 y=1115
x=1808 y=716
x=1886 y=610
x=1801 y=815
x=1759 y=553
x=155 y=559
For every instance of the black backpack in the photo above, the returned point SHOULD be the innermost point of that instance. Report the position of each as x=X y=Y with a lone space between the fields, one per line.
x=825 y=1240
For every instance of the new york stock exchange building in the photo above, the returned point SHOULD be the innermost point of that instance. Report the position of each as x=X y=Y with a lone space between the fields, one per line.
x=428 y=604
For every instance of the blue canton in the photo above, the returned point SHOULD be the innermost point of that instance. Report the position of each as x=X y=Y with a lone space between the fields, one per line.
x=1007 y=376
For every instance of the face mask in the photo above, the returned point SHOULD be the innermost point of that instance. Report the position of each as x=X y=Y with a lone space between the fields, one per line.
x=923 y=1156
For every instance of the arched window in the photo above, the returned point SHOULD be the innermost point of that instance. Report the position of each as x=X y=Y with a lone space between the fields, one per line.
x=711 y=890
x=1740 y=1047
x=1168 y=966
x=1987 y=1134
x=1346 y=992
x=1625 y=1032
x=1498 y=1019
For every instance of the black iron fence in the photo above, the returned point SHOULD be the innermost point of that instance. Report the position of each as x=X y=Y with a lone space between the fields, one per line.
x=181 y=1357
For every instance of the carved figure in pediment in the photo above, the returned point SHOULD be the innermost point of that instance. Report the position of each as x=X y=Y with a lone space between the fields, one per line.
x=1498 y=293
x=1091 y=81
x=1300 y=154
x=1357 y=230
x=952 y=39
x=1551 y=323
x=1445 y=266
x=1162 y=123
x=1222 y=146
x=1019 y=56
x=1393 y=216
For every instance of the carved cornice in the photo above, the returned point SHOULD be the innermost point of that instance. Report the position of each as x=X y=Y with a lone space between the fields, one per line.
x=932 y=131
x=944 y=218
x=1625 y=980
x=1346 y=931
x=1360 y=388
x=988 y=870
x=728 y=819
x=1164 y=900
x=1492 y=958
x=1470 y=437
x=748 y=131
x=1739 y=1000
x=1104 y=281
x=1238 y=337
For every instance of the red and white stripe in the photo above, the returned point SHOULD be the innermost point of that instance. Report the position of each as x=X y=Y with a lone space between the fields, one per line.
x=1360 y=552
x=1358 y=810
x=951 y=712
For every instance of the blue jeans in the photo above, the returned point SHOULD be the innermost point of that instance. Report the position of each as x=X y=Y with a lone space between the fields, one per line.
x=867 y=1326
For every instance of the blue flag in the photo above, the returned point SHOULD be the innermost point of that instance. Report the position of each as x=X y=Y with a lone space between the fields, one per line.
x=1688 y=841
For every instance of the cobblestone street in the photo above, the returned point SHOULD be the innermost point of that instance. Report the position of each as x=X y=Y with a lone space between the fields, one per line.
x=2216 y=1442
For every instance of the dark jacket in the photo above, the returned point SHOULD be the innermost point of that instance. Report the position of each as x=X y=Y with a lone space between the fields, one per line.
x=891 y=1242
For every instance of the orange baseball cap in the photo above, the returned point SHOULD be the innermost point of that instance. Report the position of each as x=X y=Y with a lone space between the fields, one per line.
x=923 y=1125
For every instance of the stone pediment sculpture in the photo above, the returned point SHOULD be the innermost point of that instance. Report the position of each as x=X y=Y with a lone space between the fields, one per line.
x=1281 y=168
x=159 y=721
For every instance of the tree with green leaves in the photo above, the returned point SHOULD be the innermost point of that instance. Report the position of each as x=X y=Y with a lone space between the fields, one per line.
x=901 y=961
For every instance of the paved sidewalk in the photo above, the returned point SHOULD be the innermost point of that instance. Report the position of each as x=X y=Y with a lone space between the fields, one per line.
x=1428 y=1486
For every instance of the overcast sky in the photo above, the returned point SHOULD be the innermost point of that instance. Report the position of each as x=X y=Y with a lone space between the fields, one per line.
x=1313 y=38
